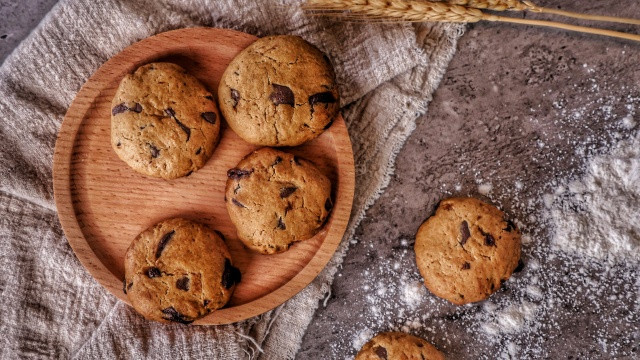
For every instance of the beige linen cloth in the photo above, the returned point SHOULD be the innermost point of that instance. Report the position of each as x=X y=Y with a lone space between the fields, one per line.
x=50 y=306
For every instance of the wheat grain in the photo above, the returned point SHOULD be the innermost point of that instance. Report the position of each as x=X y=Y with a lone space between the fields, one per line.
x=495 y=5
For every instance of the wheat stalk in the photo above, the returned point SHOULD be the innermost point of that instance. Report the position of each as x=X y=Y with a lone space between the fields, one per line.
x=420 y=11
x=516 y=5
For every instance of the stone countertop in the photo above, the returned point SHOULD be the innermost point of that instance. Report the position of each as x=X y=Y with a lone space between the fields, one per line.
x=513 y=108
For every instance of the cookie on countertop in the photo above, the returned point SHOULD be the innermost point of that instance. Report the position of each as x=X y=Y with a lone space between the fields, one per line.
x=279 y=91
x=178 y=270
x=466 y=250
x=398 y=345
x=275 y=199
x=164 y=122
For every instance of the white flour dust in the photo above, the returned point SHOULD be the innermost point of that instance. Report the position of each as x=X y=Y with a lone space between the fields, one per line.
x=598 y=215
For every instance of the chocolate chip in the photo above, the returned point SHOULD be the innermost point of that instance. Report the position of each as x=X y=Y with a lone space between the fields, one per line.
x=464 y=232
x=206 y=302
x=120 y=108
x=510 y=225
x=198 y=151
x=170 y=112
x=328 y=205
x=287 y=191
x=519 y=267
x=238 y=203
x=236 y=173
x=163 y=242
x=154 y=151
x=466 y=266
x=461 y=296
x=231 y=275
x=381 y=352
x=281 y=225
x=119 y=144
x=419 y=344
x=221 y=235
x=209 y=97
x=153 y=272
x=296 y=160
x=328 y=125
x=493 y=286
x=183 y=283
x=172 y=314
x=282 y=95
x=137 y=108
x=184 y=128
x=323 y=97
x=235 y=96
x=209 y=117
x=278 y=161
x=489 y=240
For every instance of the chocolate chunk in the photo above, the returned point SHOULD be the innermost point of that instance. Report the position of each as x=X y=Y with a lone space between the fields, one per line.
x=238 y=203
x=170 y=112
x=381 y=352
x=163 y=242
x=281 y=95
x=519 y=267
x=236 y=173
x=278 y=161
x=221 y=235
x=206 y=302
x=183 y=283
x=120 y=108
x=235 y=96
x=510 y=225
x=328 y=205
x=154 y=151
x=198 y=151
x=119 y=144
x=172 y=314
x=184 y=128
x=323 y=97
x=489 y=240
x=296 y=160
x=137 y=108
x=287 y=191
x=209 y=117
x=419 y=344
x=153 y=272
x=231 y=275
x=466 y=266
x=464 y=232
x=328 y=125
x=209 y=97
x=281 y=225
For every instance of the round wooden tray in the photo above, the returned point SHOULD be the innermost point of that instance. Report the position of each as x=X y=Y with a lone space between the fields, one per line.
x=103 y=204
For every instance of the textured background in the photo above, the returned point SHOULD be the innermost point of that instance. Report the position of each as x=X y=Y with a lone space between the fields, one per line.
x=501 y=117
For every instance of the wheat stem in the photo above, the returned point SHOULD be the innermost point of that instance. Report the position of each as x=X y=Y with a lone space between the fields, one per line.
x=571 y=14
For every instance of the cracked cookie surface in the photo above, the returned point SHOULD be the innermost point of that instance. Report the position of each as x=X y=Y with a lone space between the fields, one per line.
x=275 y=199
x=164 y=122
x=178 y=271
x=466 y=250
x=398 y=345
x=279 y=91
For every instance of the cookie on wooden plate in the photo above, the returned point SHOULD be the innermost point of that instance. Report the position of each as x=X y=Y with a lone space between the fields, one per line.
x=178 y=271
x=164 y=122
x=466 y=250
x=398 y=345
x=275 y=199
x=279 y=91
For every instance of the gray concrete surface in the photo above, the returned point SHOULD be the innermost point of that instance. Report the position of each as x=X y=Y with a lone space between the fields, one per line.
x=19 y=17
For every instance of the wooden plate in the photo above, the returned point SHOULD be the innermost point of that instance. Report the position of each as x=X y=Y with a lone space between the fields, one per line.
x=103 y=204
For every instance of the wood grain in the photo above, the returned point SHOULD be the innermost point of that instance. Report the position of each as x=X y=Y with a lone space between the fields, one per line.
x=103 y=204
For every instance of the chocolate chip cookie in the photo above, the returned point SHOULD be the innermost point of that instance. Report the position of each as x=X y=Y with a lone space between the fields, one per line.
x=164 y=122
x=397 y=345
x=178 y=270
x=279 y=91
x=275 y=199
x=466 y=250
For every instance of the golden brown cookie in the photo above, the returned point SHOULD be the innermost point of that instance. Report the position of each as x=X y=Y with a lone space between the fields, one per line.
x=178 y=270
x=279 y=91
x=164 y=122
x=398 y=346
x=275 y=199
x=466 y=250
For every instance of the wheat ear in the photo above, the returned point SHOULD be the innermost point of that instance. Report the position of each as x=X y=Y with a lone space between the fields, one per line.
x=516 y=5
x=419 y=11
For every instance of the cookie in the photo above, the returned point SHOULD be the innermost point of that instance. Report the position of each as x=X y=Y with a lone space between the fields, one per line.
x=164 y=122
x=397 y=345
x=279 y=91
x=178 y=270
x=466 y=250
x=275 y=199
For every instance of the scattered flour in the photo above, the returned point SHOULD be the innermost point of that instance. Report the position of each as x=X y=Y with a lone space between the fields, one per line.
x=485 y=188
x=508 y=320
x=598 y=215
